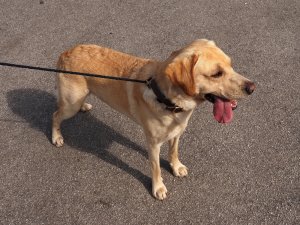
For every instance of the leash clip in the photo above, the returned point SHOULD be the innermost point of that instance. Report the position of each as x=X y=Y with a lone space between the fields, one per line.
x=174 y=109
x=148 y=82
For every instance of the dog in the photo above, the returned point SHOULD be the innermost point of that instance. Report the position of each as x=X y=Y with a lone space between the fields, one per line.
x=198 y=72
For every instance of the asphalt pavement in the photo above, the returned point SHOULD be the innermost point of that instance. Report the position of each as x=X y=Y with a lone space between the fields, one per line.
x=246 y=172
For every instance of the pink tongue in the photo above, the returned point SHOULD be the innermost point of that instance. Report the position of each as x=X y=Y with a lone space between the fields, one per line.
x=222 y=111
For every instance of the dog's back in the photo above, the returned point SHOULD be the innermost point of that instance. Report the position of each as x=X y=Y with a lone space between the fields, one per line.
x=97 y=60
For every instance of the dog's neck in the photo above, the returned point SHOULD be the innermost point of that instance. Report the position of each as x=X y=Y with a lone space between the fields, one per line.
x=161 y=98
x=175 y=95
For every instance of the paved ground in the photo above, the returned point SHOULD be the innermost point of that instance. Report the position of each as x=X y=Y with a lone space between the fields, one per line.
x=243 y=173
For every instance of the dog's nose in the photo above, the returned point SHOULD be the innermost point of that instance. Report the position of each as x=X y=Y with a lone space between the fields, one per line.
x=249 y=87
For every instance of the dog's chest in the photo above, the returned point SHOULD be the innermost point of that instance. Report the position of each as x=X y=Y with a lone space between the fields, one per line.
x=167 y=128
x=175 y=131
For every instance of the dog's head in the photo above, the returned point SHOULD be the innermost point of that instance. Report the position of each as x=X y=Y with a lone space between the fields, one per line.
x=204 y=71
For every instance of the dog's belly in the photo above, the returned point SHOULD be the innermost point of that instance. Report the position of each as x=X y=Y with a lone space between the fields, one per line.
x=113 y=94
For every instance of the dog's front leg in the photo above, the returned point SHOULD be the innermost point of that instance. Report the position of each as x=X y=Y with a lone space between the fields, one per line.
x=178 y=168
x=159 y=190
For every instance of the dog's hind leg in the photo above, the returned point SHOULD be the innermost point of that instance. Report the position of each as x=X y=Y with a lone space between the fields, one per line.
x=86 y=107
x=70 y=100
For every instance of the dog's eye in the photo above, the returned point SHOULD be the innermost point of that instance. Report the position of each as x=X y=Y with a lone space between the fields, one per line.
x=218 y=74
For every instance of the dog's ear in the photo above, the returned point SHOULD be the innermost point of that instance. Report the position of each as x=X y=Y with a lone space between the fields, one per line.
x=181 y=73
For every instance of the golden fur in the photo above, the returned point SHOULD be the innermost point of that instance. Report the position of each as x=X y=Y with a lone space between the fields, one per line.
x=185 y=77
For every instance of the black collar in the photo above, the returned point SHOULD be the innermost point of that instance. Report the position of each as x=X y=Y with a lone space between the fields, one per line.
x=161 y=98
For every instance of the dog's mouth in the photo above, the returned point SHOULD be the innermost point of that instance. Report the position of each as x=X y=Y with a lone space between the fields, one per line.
x=223 y=108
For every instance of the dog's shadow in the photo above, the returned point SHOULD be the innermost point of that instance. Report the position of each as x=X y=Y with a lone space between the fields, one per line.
x=83 y=132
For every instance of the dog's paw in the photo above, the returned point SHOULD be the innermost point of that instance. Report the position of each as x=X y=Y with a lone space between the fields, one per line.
x=86 y=107
x=160 y=192
x=179 y=170
x=58 y=141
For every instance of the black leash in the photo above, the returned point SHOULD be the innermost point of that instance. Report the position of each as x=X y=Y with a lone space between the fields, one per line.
x=72 y=72
x=151 y=83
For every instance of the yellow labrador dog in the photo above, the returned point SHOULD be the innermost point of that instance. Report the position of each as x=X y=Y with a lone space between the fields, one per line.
x=198 y=72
